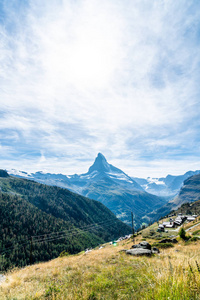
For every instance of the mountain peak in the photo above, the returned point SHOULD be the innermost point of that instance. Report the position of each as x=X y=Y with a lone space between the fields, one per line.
x=100 y=164
x=101 y=156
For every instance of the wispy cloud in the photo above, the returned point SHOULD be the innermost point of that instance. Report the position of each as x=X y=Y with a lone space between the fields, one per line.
x=81 y=77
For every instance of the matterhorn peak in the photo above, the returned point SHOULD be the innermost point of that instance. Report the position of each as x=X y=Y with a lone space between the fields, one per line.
x=101 y=156
x=100 y=164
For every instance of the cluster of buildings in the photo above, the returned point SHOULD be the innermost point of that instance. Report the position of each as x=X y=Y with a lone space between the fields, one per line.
x=173 y=223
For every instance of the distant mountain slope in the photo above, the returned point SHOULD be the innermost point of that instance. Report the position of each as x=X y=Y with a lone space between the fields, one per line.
x=190 y=192
x=123 y=201
x=109 y=185
x=32 y=209
x=164 y=186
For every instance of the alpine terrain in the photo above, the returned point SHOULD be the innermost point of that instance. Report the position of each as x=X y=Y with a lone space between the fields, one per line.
x=38 y=222
x=189 y=193
x=164 y=186
x=107 y=184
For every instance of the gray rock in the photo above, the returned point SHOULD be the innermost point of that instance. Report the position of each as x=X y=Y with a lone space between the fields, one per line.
x=142 y=245
x=155 y=250
x=139 y=252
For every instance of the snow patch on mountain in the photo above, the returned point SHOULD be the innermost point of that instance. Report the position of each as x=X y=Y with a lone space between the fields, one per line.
x=155 y=180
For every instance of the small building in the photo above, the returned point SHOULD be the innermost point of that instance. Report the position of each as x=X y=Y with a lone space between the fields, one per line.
x=168 y=224
x=180 y=219
x=190 y=218
x=177 y=222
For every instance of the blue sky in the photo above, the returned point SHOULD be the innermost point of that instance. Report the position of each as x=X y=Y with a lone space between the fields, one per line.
x=116 y=77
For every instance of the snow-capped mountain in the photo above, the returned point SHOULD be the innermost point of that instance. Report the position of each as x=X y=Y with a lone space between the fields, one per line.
x=107 y=184
x=164 y=186
x=100 y=169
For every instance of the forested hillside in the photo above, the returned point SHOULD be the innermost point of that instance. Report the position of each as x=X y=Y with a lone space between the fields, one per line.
x=56 y=219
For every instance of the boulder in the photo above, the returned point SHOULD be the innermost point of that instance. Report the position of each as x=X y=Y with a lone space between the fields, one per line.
x=155 y=250
x=139 y=252
x=142 y=245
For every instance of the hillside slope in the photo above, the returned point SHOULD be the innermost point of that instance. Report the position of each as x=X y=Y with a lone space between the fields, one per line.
x=57 y=218
x=190 y=192
x=110 y=274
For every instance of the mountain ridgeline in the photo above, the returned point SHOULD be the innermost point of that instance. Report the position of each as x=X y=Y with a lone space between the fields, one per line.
x=165 y=186
x=38 y=222
x=189 y=193
x=110 y=186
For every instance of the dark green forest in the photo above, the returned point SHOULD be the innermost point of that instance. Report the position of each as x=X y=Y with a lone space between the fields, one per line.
x=38 y=222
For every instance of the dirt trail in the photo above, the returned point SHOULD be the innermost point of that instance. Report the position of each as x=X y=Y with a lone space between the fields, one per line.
x=192 y=227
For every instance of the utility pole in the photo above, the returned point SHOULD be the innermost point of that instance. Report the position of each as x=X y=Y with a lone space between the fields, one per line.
x=132 y=225
x=31 y=251
x=1 y=261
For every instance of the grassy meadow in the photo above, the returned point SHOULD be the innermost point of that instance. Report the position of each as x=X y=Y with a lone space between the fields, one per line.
x=109 y=273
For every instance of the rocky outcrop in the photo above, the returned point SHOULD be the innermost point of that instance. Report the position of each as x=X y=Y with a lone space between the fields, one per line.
x=143 y=245
x=143 y=248
x=155 y=250
x=139 y=252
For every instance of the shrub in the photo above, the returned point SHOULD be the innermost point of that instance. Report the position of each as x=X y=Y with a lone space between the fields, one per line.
x=64 y=253
x=182 y=233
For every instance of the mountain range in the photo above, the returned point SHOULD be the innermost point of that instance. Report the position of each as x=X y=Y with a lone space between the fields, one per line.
x=164 y=186
x=107 y=184
x=119 y=192
x=189 y=193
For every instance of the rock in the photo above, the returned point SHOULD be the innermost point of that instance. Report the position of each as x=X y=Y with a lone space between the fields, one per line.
x=139 y=252
x=142 y=245
x=174 y=241
x=155 y=250
x=2 y=278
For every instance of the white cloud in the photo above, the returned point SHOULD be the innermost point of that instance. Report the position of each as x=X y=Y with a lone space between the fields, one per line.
x=79 y=77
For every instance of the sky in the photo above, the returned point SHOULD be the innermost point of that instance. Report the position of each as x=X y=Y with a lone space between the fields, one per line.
x=79 y=77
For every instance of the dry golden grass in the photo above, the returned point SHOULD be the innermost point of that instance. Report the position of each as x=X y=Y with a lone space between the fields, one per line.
x=109 y=274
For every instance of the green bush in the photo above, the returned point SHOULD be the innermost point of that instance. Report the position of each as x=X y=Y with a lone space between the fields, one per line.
x=182 y=233
x=64 y=253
